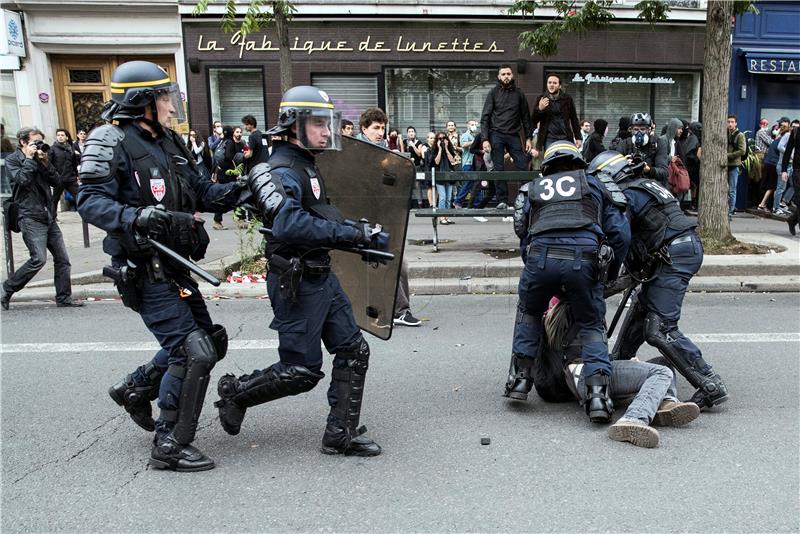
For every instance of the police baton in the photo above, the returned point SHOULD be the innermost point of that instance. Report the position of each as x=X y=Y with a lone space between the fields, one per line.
x=367 y=254
x=183 y=262
x=620 y=309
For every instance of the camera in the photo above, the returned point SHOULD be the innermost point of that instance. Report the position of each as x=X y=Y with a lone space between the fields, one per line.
x=41 y=145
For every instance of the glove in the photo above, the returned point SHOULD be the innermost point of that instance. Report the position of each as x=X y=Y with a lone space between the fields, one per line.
x=153 y=220
x=363 y=234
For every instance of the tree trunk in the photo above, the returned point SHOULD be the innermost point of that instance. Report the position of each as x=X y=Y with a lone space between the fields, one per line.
x=713 y=205
x=282 y=27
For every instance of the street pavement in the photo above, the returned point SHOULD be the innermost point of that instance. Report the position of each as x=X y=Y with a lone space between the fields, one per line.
x=72 y=461
x=473 y=257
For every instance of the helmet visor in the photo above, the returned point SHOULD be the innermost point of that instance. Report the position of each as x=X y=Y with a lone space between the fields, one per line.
x=169 y=105
x=320 y=129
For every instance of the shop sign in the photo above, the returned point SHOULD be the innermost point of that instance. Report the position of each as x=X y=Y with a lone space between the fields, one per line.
x=773 y=65
x=369 y=44
x=590 y=78
x=11 y=42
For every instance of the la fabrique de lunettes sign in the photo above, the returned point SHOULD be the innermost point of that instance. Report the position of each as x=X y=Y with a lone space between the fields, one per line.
x=248 y=46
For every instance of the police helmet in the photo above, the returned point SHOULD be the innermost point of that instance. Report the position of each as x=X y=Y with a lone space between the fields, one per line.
x=137 y=85
x=613 y=164
x=641 y=119
x=560 y=154
x=312 y=111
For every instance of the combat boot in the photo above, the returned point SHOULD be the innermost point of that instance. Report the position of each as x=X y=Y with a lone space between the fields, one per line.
x=136 y=398
x=336 y=441
x=712 y=392
x=169 y=454
x=598 y=404
x=520 y=380
x=231 y=414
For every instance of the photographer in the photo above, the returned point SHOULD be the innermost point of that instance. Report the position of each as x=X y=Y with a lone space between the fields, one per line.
x=643 y=147
x=31 y=175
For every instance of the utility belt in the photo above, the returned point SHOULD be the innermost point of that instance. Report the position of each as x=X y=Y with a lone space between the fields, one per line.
x=601 y=257
x=291 y=271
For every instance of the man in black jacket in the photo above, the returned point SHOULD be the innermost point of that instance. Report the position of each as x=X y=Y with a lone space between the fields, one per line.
x=66 y=162
x=793 y=147
x=31 y=175
x=555 y=115
x=505 y=113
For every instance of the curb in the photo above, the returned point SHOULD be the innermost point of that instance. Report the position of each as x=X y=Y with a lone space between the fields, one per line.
x=444 y=286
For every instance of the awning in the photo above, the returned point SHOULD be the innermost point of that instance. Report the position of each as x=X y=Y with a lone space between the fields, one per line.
x=763 y=61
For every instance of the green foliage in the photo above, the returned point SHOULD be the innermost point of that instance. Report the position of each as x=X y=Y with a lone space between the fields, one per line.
x=580 y=18
x=652 y=11
x=250 y=249
x=259 y=13
x=590 y=16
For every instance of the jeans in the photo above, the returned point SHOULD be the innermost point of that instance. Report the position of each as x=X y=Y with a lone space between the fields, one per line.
x=733 y=180
x=466 y=187
x=444 y=192
x=500 y=144
x=40 y=237
x=402 y=304
x=779 y=190
x=648 y=384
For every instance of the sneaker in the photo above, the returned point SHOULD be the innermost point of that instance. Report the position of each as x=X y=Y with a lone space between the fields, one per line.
x=502 y=206
x=481 y=219
x=407 y=319
x=508 y=219
x=779 y=211
x=218 y=226
x=672 y=413
x=634 y=432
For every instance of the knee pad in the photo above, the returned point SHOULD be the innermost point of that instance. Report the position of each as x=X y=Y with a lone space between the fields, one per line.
x=219 y=337
x=356 y=354
x=275 y=382
x=655 y=330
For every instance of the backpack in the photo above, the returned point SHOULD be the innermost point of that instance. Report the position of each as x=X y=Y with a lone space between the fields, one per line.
x=219 y=153
x=11 y=212
x=678 y=177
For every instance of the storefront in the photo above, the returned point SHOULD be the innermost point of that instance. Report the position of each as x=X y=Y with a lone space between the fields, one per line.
x=765 y=71
x=765 y=67
x=424 y=73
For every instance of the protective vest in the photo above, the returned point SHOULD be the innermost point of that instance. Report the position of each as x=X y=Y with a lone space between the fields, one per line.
x=166 y=182
x=664 y=214
x=160 y=183
x=314 y=199
x=562 y=201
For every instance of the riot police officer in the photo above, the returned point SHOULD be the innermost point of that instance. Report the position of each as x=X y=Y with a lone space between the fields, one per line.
x=139 y=182
x=571 y=223
x=667 y=252
x=308 y=302
x=643 y=147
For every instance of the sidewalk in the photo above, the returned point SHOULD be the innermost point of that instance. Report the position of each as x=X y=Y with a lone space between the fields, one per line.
x=473 y=257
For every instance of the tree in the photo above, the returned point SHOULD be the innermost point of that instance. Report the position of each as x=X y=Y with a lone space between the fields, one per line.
x=260 y=13
x=595 y=14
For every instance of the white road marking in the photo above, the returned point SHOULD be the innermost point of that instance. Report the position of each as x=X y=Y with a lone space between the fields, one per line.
x=263 y=344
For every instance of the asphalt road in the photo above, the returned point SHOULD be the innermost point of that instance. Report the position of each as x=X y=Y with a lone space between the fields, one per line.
x=72 y=461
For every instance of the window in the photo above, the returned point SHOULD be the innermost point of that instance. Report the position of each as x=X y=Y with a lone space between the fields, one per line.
x=236 y=93
x=427 y=98
x=611 y=95
x=350 y=94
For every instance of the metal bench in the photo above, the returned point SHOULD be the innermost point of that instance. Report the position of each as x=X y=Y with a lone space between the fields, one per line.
x=455 y=176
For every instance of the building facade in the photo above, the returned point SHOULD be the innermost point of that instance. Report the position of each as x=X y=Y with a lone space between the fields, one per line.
x=765 y=65
x=72 y=47
x=430 y=62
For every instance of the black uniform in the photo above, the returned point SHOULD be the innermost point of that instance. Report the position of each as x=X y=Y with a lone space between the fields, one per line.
x=125 y=172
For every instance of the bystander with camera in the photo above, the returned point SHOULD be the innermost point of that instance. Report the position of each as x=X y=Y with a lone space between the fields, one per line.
x=31 y=175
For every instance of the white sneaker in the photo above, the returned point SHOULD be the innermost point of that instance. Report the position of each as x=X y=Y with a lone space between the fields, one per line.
x=481 y=219
x=508 y=219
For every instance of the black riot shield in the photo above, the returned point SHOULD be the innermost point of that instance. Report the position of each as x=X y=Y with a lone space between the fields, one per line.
x=367 y=181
